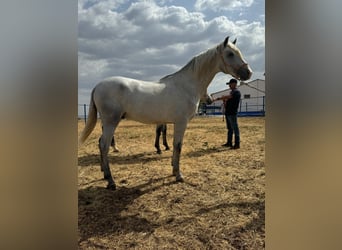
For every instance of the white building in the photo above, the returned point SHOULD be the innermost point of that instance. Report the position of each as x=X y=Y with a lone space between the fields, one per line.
x=252 y=99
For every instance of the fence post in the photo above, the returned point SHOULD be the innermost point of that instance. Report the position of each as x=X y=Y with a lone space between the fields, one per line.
x=263 y=103
x=85 y=112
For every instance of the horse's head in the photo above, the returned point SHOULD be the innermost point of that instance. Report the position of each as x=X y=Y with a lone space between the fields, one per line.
x=232 y=61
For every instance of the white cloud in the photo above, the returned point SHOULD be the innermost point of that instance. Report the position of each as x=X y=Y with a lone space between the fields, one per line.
x=219 y=5
x=146 y=41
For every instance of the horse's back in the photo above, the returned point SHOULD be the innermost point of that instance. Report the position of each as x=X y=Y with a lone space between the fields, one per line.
x=125 y=86
x=114 y=86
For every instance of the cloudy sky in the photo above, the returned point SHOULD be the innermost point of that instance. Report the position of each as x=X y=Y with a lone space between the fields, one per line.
x=149 y=39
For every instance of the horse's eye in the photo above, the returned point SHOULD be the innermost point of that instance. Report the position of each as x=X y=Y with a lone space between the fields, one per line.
x=230 y=54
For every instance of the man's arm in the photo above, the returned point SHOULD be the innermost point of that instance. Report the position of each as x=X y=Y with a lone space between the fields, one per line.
x=224 y=97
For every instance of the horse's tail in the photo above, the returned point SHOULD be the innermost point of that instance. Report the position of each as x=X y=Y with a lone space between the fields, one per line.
x=91 y=121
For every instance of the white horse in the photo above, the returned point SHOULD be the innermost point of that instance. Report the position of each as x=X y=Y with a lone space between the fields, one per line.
x=174 y=99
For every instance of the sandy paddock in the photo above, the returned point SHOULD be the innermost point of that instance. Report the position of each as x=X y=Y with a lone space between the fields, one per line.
x=220 y=205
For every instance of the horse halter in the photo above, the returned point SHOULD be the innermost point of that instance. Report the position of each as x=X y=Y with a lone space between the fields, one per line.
x=226 y=65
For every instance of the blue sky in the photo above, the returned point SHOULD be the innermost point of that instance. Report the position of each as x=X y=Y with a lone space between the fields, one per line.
x=149 y=39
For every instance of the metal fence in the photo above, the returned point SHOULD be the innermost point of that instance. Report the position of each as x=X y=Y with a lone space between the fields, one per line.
x=254 y=106
x=82 y=111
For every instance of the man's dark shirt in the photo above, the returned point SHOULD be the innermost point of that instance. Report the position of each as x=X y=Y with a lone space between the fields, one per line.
x=232 y=104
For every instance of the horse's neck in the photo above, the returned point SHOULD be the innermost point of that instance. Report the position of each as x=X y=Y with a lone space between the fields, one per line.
x=206 y=67
x=202 y=69
x=197 y=74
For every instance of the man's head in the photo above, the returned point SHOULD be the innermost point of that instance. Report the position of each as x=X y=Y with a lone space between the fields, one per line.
x=232 y=83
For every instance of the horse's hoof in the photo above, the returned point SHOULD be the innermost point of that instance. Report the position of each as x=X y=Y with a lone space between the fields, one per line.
x=167 y=148
x=179 y=178
x=111 y=186
x=159 y=151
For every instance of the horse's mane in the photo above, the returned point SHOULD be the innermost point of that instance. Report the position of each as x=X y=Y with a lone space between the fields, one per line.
x=195 y=65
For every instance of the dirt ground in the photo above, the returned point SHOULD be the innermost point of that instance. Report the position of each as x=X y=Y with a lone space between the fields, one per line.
x=220 y=205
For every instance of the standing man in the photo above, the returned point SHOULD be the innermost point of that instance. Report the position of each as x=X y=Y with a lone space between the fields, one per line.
x=232 y=102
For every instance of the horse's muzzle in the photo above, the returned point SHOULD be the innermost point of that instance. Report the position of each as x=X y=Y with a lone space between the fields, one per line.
x=245 y=73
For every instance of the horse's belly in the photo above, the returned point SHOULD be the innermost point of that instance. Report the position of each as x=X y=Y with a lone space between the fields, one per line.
x=149 y=117
x=160 y=113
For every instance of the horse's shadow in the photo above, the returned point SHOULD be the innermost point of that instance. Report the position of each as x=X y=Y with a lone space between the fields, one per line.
x=92 y=159
x=244 y=207
x=255 y=225
x=102 y=212
x=204 y=151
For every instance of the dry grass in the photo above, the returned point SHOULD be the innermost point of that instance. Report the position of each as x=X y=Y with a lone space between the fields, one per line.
x=220 y=205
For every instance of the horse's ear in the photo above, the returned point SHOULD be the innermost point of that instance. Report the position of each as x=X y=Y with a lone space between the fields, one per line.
x=234 y=42
x=225 y=41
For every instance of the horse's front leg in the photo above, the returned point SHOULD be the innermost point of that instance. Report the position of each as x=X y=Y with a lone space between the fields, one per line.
x=156 y=143
x=164 y=137
x=113 y=144
x=179 y=130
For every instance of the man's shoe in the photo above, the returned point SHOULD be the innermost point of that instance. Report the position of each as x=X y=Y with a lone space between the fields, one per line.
x=227 y=145
x=235 y=147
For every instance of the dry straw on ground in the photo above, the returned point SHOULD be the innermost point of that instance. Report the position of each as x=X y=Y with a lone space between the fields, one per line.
x=220 y=205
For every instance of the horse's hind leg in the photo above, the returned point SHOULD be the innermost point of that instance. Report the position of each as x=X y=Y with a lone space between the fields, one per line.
x=113 y=144
x=164 y=128
x=104 y=143
x=179 y=130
